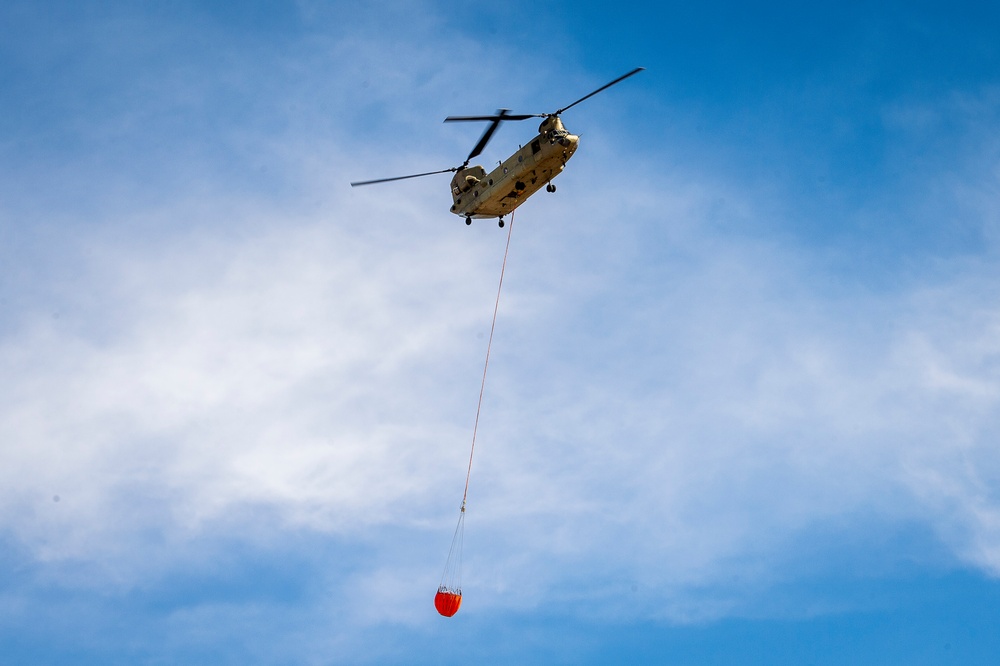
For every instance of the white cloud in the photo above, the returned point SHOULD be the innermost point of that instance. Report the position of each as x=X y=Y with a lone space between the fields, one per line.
x=674 y=405
x=674 y=419
x=295 y=368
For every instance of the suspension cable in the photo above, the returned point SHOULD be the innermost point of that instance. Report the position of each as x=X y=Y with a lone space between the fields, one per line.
x=451 y=578
x=486 y=365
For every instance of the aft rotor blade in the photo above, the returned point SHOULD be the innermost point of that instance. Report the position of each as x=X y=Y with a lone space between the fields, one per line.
x=488 y=134
x=416 y=175
x=601 y=89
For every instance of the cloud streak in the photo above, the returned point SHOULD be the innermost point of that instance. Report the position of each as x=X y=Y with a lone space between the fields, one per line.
x=681 y=405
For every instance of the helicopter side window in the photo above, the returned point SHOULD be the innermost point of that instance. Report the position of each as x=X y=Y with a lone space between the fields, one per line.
x=535 y=146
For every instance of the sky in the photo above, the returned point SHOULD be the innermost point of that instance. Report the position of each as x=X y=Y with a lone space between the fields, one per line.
x=743 y=403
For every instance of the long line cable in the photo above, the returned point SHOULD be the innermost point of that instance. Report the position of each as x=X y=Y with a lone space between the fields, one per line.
x=451 y=579
x=486 y=365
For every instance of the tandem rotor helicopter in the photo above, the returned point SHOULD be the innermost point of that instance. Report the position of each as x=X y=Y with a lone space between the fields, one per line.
x=478 y=194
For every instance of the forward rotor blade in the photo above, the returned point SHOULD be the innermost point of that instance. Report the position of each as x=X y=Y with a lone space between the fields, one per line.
x=416 y=175
x=601 y=89
x=459 y=119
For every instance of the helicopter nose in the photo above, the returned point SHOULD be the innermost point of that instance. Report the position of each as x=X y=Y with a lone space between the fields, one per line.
x=568 y=143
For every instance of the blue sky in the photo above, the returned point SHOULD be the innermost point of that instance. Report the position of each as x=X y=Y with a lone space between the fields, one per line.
x=743 y=398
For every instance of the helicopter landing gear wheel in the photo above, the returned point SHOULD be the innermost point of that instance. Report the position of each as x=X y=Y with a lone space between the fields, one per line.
x=550 y=188
x=501 y=223
x=468 y=220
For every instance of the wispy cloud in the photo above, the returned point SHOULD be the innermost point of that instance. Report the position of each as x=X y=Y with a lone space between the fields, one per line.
x=680 y=405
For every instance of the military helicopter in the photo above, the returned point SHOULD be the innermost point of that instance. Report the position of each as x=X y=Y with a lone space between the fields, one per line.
x=478 y=194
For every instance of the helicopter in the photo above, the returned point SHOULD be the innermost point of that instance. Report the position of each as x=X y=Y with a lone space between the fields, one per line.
x=478 y=194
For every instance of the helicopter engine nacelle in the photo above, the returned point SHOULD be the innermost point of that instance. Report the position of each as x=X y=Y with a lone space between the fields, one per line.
x=466 y=179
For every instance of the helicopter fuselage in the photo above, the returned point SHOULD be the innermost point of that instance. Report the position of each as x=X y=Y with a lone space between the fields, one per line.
x=478 y=194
